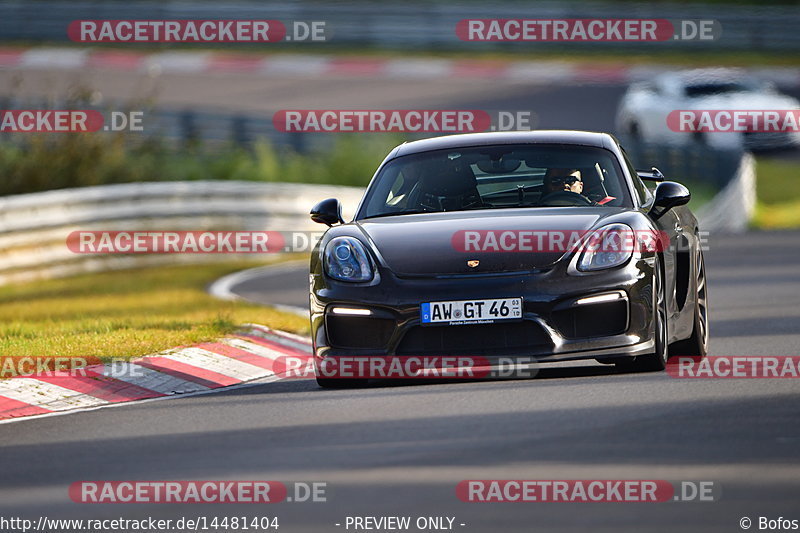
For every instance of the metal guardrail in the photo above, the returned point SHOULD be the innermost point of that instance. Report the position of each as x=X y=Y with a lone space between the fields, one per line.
x=423 y=24
x=34 y=227
x=692 y=162
x=733 y=207
x=731 y=172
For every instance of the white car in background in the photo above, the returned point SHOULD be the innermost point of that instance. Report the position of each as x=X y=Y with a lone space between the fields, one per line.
x=642 y=113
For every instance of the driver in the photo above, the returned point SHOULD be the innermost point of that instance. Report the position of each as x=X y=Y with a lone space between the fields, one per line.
x=563 y=179
x=562 y=187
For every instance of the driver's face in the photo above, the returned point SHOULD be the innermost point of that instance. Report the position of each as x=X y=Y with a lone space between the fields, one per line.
x=577 y=185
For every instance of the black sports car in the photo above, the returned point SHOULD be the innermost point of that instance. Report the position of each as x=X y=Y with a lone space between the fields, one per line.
x=542 y=244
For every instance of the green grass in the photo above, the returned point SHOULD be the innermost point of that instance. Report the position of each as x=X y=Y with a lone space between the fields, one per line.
x=778 y=194
x=126 y=314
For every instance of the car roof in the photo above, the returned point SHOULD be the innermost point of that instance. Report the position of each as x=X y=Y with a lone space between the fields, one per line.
x=584 y=138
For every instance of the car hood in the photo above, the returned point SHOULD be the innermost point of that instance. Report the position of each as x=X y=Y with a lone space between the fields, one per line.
x=433 y=243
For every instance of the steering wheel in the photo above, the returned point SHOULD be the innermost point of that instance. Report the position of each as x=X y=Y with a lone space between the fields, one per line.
x=564 y=198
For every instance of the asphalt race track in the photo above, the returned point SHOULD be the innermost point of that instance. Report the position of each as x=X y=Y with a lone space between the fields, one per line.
x=401 y=449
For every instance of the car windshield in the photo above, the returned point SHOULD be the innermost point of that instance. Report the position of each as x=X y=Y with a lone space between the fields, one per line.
x=697 y=90
x=497 y=177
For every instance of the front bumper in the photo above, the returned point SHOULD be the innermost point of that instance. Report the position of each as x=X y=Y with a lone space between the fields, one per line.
x=554 y=327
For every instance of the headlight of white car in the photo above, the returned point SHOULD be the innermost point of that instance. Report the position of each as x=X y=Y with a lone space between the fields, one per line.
x=607 y=247
x=345 y=259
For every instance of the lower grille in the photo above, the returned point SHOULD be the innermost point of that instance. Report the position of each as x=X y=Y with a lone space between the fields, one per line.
x=594 y=320
x=358 y=332
x=472 y=339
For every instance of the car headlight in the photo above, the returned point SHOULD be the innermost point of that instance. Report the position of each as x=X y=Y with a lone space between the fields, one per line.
x=608 y=247
x=346 y=259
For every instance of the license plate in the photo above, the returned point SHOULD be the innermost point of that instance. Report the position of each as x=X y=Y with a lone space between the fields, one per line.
x=471 y=311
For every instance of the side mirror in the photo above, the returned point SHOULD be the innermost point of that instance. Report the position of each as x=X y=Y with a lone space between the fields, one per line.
x=327 y=212
x=668 y=195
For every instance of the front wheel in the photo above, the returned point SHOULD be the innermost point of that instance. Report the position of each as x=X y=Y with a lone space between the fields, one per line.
x=657 y=360
x=697 y=344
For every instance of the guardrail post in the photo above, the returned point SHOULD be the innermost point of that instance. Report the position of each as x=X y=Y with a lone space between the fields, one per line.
x=239 y=134
x=188 y=128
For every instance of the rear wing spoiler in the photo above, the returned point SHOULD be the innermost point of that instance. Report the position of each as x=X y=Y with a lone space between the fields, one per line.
x=651 y=175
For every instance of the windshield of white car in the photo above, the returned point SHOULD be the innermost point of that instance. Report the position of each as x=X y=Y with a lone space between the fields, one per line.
x=697 y=90
x=497 y=177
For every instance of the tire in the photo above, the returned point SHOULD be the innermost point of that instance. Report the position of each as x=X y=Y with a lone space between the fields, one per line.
x=657 y=360
x=697 y=344
x=335 y=383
